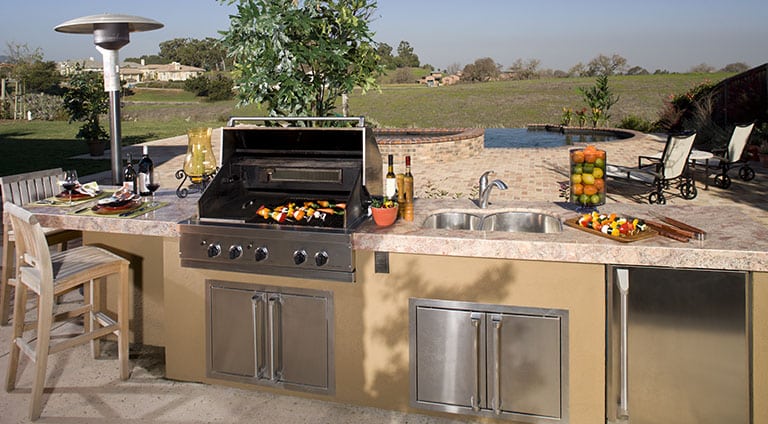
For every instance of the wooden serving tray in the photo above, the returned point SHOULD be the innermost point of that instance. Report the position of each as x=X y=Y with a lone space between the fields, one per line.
x=648 y=233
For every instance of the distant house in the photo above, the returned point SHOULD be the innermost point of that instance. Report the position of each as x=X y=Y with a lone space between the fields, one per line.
x=133 y=72
x=436 y=79
x=172 y=72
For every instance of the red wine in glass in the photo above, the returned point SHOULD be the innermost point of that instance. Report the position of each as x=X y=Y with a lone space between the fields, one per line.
x=70 y=182
x=152 y=187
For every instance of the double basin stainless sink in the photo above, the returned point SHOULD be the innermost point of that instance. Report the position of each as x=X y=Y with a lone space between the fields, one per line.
x=512 y=221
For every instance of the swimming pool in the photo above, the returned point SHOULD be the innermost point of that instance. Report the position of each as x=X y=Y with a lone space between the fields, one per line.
x=541 y=137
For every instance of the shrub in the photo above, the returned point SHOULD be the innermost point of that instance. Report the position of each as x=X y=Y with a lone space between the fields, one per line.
x=633 y=122
x=45 y=106
x=85 y=100
x=219 y=87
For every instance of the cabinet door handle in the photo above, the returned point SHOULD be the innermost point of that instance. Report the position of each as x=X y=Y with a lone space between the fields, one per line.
x=474 y=400
x=496 y=401
x=275 y=351
x=622 y=283
x=258 y=302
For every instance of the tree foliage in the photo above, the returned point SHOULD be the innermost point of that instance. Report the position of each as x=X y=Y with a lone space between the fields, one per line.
x=736 y=68
x=604 y=65
x=216 y=87
x=406 y=58
x=484 y=69
x=298 y=59
x=387 y=60
x=208 y=53
x=85 y=101
x=525 y=70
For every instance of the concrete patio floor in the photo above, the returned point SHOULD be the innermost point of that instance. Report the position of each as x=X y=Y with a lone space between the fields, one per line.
x=80 y=389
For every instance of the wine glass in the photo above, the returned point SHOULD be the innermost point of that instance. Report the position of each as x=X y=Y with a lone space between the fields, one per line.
x=152 y=186
x=70 y=182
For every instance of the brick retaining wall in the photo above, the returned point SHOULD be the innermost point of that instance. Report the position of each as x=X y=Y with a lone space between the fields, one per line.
x=430 y=145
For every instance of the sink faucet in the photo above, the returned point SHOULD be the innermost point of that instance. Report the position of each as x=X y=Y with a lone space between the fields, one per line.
x=485 y=188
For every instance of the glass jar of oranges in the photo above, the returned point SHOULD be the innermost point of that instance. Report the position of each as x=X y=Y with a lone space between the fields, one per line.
x=587 y=176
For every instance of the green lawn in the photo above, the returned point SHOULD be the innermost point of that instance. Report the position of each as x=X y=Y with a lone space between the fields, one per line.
x=153 y=114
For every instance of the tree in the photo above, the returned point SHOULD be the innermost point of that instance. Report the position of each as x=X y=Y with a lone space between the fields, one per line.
x=151 y=59
x=405 y=56
x=604 y=65
x=701 y=68
x=298 y=59
x=525 y=70
x=735 y=68
x=453 y=68
x=577 y=70
x=484 y=69
x=637 y=70
x=209 y=53
x=384 y=51
x=39 y=77
x=85 y=100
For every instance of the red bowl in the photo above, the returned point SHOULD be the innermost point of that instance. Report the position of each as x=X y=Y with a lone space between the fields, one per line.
x=384 y=216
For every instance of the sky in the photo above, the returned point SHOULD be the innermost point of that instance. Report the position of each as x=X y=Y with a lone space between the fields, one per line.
x=673 y=35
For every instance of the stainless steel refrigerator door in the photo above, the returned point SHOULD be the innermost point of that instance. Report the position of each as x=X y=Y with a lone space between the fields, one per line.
x=686 y=346
x=524 y=364
x=450 y=358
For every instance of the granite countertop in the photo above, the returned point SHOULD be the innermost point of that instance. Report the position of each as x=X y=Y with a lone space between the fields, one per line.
x=161 y=222
x=733 y=242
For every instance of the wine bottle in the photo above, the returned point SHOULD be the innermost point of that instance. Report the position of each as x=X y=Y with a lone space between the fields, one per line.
x=408 y=181
x=408 y=188
x=390 y=186
x=129 y=176
x=145 y=171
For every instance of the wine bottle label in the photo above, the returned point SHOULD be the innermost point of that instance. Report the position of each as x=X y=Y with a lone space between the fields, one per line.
x=142 y=179
x=390 y=189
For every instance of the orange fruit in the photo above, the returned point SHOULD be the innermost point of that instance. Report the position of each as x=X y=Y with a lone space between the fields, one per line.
x=599 y=184
x=601 y=154
x=578 y=189
x=590 y=189
x=577 y=156
x=590 y=156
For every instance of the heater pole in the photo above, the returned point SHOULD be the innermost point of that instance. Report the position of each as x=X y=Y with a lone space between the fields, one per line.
x=112 y=86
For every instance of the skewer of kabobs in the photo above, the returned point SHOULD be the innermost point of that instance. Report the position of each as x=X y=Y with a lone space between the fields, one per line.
x=309 y=211
x=613 y=225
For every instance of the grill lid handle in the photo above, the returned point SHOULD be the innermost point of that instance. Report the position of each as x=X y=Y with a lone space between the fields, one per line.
x=360 y=119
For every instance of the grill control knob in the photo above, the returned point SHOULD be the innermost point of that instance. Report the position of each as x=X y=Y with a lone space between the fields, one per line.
x=321 y=258
x=261 y=253
x=214 y=249
x=299 y=257
x=235 y=251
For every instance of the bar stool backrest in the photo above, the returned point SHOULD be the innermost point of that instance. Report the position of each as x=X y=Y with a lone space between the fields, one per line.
x=33 y=255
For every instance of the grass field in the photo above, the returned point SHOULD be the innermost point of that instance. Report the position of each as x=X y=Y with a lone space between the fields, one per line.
x=153 y=114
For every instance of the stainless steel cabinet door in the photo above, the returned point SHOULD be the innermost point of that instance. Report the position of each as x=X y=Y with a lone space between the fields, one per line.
x=231 y=331
x=524 y=364
x=450 y=357
x=300 y=342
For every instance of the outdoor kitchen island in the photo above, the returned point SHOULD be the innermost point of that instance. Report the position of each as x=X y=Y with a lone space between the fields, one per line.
x=370 y=358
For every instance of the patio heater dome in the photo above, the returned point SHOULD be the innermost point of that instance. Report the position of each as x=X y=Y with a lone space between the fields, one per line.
x=110 y=33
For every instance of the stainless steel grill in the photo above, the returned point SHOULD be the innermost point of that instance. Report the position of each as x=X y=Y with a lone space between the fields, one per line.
x=286 y=199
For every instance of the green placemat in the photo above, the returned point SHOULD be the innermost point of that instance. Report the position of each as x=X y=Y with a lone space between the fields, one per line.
x=146 y=207
x=59 y=202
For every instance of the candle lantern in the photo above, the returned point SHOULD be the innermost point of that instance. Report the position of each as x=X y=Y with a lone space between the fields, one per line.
x=199 y=162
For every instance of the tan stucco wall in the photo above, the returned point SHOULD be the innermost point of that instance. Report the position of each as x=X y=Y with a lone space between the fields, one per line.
x=371 y=319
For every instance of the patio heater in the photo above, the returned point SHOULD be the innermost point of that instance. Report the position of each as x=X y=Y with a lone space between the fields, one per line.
x=110 y=33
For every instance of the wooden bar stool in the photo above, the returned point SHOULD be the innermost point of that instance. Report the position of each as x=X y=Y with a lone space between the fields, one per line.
x=20 y=189
x=48 y=275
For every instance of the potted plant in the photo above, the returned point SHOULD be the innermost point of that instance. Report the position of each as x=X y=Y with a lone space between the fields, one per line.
x=384 y=211
x=85 y=101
